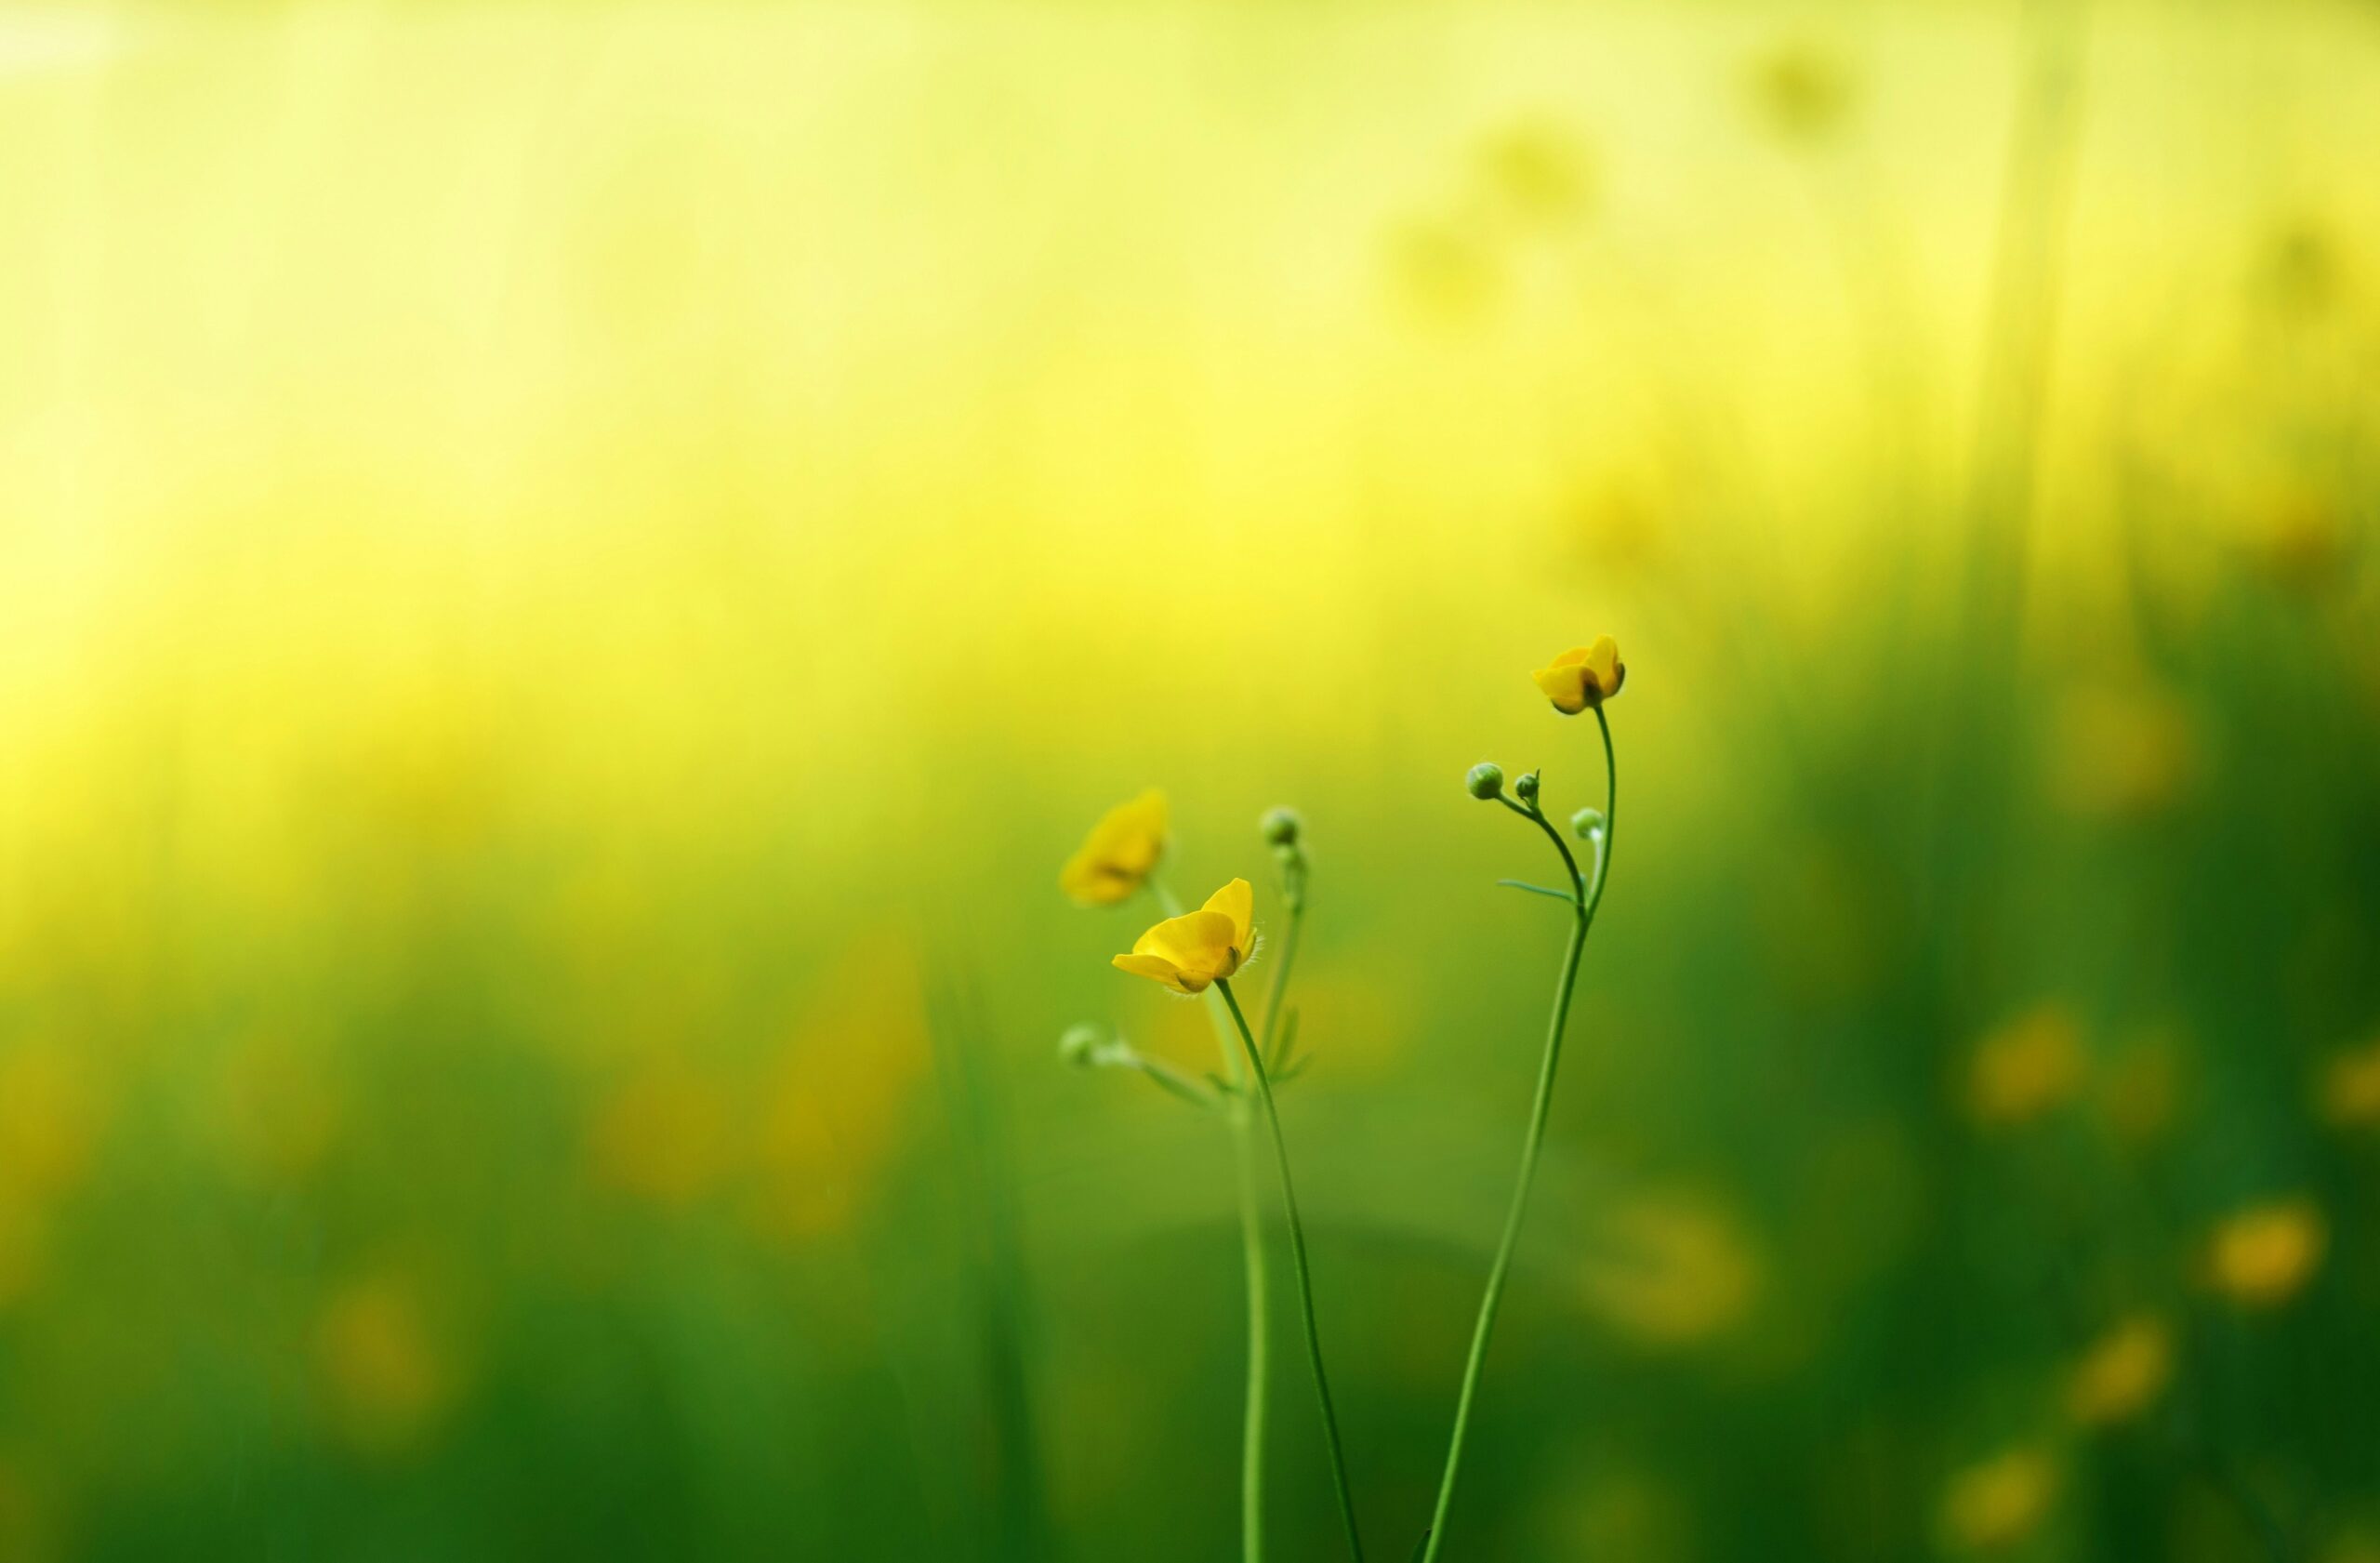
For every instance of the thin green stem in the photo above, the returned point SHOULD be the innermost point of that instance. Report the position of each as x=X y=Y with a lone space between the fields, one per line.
x=1296 y=905
x=1253 y=1267
x=1540 y=1108
x=1305 y=1272
x=1251 y=1433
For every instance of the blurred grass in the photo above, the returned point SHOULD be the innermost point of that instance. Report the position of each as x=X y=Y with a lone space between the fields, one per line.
x=567 y=578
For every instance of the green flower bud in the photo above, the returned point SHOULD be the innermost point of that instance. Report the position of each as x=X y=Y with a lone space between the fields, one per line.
x=1080 y=1045
x=1486 y=780
x=1280 y=827
x=1525 y=788
x=1588 y=823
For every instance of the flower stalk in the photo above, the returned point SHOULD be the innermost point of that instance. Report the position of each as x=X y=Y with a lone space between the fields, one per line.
x=1304 y=1271
x=1254 y=1270
x=1585 y=897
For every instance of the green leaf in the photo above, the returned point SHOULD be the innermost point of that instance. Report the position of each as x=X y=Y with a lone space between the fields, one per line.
x=1539 y=889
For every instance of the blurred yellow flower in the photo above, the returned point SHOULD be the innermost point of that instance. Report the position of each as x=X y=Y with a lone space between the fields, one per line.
x=837 y=1109
x=51 y=1114
x=383 y=1376
x=661 y=1135
x=2000 y=1502
x=2350 y=1094
x=2026 y=1067
x=2263 y=1256
x=1114 y=859
x=1677 y=1271
x=2121 y=749
x=1538 y=172
x=2122 y=1372
x=1583 y=676
x=1802 y=91
x=2302 y=540
x=1186 y=953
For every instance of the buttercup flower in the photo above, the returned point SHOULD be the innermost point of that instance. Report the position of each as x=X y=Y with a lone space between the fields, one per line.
x=1114 y=859
x=2001 y=1500
x=1186 y=953
x=2263 y=1256
x=2123 y=1373
x=1583 y=676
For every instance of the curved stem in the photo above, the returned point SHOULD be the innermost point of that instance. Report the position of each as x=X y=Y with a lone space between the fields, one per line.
x=1583 y=918
x=1305 y=1273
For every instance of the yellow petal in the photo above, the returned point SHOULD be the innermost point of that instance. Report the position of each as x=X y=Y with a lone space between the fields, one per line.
x=1564 y=683
x=1603 y=662
x=1157 y=968
x=1189 y=940
x=1238 y=902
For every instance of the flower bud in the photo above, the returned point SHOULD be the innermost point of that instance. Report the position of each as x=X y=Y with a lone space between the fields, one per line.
x=1280 y=827
x=1588 y=823
x=1080 y=1045
x=1486 y=780
x=1525 y=788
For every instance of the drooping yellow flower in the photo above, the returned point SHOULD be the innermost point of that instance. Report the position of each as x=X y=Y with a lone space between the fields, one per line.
x=1114 y=859
x=2000 y=1502
x=1186 y=953
x=2262 y=1256
x=1583 y=676
x=2123 y=1373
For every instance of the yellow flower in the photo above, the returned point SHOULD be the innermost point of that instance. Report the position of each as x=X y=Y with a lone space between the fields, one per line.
x=2262 y=1256
x=1185 y=953
x=2350 y=1089
x=2000 y=1502
x=2123 y=1373
x=2026 y=1067
x=1114 y=859
x=1583 y=676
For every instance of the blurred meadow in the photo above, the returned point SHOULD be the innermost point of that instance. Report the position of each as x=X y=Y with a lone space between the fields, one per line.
x=570 y=574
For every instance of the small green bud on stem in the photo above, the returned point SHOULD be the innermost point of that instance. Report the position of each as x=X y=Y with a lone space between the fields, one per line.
x=1485 y=781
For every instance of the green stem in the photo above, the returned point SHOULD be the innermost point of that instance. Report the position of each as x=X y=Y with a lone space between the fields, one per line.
x=1281 y=972
x=1583 y=918
x=1251 y=1246
x=1251 y=1435
x=1305 y=1273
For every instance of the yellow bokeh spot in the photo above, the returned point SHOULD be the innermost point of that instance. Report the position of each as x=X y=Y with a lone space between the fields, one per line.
x=2263 y=1256
x=2348 y=1093
x=2001 y=1500
x=2121 y=749
x=2026 y=1067
x=383 y=1376
x=2123 y=1373
x=663 y=1135
x=1670 y=1270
